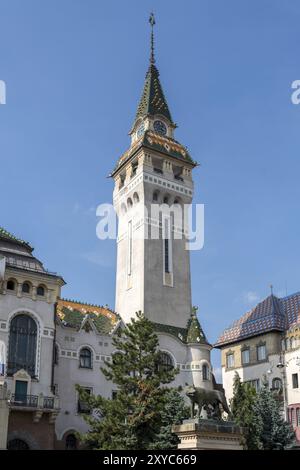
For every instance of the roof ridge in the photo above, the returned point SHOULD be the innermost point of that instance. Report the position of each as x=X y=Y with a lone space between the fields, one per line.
x=87 y=304
x=6 y=234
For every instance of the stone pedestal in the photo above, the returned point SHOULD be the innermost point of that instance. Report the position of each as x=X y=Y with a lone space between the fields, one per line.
x=202 y=434
x=4 y=414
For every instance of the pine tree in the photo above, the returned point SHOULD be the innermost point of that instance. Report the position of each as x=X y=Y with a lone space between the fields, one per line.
x=275 y=432
x=175 y=411
x=242 y=409
x=134 y=418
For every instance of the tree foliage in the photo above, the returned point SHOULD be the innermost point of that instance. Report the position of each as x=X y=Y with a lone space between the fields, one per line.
x=261 y=416
x=143 y=408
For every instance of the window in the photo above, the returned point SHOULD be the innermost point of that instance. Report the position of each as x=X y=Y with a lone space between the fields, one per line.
x=254 y=383
x=297 y=417
x=40 y=291
x=11 y=285
x=204 y=372
x=83 y=406
x=155 y=196
x=26 y=287
x=114 y=394
x=166 y=362
x=17 y=444
x=230 y=360
x=277 y=384
x=22 y=345
x=167 y=245
x=295 y=380
x=85 y=358
x=246 y=356
x=71 y=442
x=261 y=352
x=292 y=415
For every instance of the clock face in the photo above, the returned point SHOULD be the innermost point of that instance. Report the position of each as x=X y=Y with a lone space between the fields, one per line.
x=160 y=127
x=140 y=130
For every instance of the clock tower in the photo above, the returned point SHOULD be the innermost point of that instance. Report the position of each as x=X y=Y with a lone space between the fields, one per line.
x=153 y=186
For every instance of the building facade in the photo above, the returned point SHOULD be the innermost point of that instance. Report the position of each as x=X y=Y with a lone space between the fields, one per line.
x=264 y=344
x=48 y=345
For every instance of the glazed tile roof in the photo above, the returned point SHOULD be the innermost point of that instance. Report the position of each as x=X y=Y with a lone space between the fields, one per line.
x=154 y=141
x=153 y=100
x=5 y=235
x=75 y=315
x=272 y=313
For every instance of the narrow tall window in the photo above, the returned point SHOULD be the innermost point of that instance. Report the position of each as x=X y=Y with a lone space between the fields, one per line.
x=129 y=270
x=261 y=352
x=245 y=356
x=205 y=372
x=22 y=345
x=295 y=380
x=167 y=245
x=230 y=360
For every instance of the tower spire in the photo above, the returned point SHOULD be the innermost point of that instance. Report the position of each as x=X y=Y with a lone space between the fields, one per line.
x=152 y=23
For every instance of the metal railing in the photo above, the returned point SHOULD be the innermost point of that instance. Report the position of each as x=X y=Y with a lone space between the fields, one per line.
x=28 y=401
x=32 y=401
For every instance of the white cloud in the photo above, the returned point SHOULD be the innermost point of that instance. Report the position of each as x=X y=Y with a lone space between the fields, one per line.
x=251 y=297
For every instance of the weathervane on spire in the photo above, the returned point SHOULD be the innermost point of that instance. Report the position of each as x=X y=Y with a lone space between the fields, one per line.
x=152 y=23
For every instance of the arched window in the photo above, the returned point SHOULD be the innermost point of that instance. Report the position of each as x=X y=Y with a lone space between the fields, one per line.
x=17 y=444
x=136 y=198
x=26 y=287
x=71 y=442
x=22 y=345
x=129 y=203
x=166 y=200
x=166 y=362
x=85 y=358
x=11 y=285
x=277 y=384
x=40 y=291
x=155 y=196
x=205 y=372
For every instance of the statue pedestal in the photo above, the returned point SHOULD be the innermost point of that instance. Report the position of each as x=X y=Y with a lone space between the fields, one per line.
x=204 y=434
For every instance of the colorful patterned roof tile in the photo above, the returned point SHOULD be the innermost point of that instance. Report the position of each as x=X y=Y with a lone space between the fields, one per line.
x=271 y=314
x=5 y=235
x=74 y=314
x=153 y=100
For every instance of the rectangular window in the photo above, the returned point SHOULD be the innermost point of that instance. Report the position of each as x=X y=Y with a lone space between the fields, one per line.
x=129 y=270
x=295 y=380
x=167 y=245
x=254 y=383
x=230 y=360
x=82 y=406
x=245 y=356
x=261 y=352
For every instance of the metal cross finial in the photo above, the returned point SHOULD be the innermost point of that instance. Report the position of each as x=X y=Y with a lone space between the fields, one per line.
x=271 y=287
x=152 y=23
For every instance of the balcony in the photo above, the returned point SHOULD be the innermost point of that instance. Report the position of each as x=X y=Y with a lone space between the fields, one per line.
x=38 y=404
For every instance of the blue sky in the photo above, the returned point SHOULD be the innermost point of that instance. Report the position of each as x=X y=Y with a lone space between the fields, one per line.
x=74 y=71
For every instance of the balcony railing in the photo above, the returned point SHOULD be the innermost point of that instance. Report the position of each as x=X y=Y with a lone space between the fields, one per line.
x=32 y=401
x=28 y=401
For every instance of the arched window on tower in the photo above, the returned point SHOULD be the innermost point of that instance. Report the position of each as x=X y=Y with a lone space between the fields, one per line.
x=11 y=285
x=205 y=372
x=22 y=345
x=26 y=288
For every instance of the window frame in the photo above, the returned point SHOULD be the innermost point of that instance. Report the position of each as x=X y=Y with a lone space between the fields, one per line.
x=90 y=357
x=230 y=355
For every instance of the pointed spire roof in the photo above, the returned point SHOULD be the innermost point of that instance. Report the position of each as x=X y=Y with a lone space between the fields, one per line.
x=195 y=334
x=153 y=100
